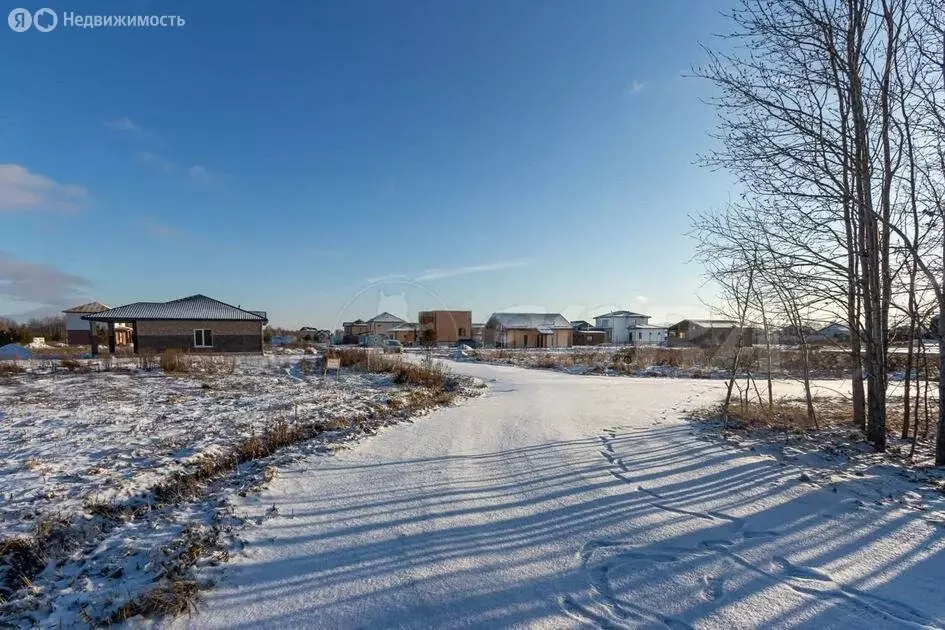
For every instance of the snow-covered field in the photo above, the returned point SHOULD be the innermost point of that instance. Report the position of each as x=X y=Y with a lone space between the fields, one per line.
x=81 y=455
x=570 y=501
x=69 y=439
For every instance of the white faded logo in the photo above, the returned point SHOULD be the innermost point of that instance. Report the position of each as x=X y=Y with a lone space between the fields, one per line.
x=44 y=20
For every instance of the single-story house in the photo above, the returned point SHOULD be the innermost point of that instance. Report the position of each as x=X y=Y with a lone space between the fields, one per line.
x=352 y=331
x=583 y=334
x=315 y=335
x=78 y=331
x=647 y=335
x=406 y=333
x=445 y=326
x=792 y=335
x=588 y=337
x=706 y=333
x=194 y=324
x=478 y=330
x=527 y=330
x=835 y=331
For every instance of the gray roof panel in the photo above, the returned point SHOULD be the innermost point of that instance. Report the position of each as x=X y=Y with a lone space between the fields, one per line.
x=528 y=320
x=189 y=308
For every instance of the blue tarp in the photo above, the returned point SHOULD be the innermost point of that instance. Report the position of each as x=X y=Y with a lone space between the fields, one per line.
x=14 y=351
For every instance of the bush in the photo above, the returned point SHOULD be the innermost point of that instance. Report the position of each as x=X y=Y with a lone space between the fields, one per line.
x=146 y=359
x=175 y=361
x=10 y=367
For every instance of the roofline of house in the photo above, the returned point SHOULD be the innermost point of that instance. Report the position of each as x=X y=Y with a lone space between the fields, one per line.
x=96 y=318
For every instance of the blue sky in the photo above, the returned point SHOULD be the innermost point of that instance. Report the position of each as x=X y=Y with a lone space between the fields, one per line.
x=327 y=160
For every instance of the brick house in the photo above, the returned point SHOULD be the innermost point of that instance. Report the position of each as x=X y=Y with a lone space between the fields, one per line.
x=446 y=326
x=527 y=330
x=194 y=324
x=583 y=334
x=707 y=333
x=352 y=331
x=406 y=333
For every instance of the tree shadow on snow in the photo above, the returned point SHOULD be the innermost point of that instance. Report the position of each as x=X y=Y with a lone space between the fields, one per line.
x=641 y=527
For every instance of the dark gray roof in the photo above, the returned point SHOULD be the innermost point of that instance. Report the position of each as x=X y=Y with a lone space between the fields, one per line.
x=528 y=320
x=405 y=327
x=193 y=307
x=707 y=323
x=91 y=307
x=385 y=317
x=621 y=314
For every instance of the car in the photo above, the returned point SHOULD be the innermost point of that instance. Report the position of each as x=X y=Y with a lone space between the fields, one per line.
x=392 y=346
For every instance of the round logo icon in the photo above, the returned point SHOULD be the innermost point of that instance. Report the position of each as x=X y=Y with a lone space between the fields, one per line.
x=20 y=20
x=45 y=20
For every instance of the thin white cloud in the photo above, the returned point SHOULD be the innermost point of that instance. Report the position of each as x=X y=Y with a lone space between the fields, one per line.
x=37 y=283
x=23 y=191
x=437 y=274
x=162 y=230
x=637 y=86
x=124 y=124
x=155 y=161
x=201 y=175
x=642 y=299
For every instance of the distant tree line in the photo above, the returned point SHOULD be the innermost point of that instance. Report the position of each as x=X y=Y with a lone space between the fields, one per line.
x=51 y=328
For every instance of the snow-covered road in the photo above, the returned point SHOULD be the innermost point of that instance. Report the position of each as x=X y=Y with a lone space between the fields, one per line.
x=558 y=501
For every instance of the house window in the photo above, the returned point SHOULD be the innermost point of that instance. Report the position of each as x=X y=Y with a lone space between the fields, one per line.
x=203 y=338
x=462 y=332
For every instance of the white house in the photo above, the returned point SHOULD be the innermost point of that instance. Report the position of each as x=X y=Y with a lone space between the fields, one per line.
x=617 y=325
x=78 y=331
x=646 y=335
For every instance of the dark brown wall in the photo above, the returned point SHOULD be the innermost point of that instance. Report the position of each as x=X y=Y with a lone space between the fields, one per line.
x=221 y=343
x=78 y=337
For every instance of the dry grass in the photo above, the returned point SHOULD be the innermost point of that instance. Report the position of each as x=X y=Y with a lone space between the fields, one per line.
x=174 y=361
x=168 y=598
x=73 y=365
x=10 y=368
x=790 y=414
x=146 y=359
x=23 y=557
x=823 y=362
x=427 y=374
x=59 y=352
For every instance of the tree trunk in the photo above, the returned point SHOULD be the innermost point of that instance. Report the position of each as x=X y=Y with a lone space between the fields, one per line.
x=940 y=434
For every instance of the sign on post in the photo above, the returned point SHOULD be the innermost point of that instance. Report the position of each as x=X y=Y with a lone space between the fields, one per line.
x=332 y=363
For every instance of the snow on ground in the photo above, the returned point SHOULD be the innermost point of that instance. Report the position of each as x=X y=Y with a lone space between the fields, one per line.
x=69 y=438
x=73 y=442
x=570 y=501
